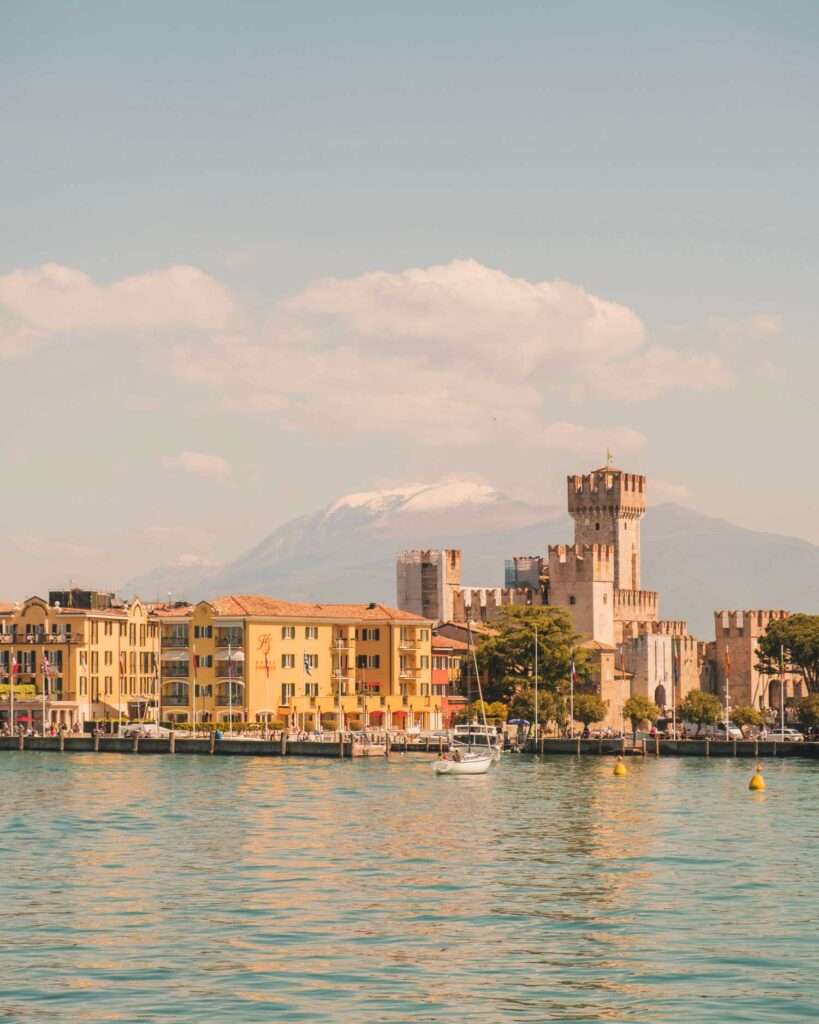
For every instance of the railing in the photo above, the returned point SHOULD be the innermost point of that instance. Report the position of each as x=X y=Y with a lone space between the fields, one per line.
x=340 y=645
x=40 y=638
x=174 y=669
x=175 y=700
x=223 y=672
x=230 y=639
x=408 y=673
x=175 y=641
x=407 y=645
x=226 y=697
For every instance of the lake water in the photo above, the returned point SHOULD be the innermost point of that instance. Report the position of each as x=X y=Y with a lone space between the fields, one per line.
x=211 y=889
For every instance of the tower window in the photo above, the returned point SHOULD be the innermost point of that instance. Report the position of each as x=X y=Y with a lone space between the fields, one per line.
x=597 y=526
x=572 y=599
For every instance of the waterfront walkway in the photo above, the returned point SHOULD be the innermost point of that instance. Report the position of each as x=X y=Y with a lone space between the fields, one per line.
x=350 y=746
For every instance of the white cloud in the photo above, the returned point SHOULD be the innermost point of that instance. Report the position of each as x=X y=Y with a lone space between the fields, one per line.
x=209 y=467
x=56 y=298
x=768 y=370
x=665 y=490
x=655 y=371
x=761 y=325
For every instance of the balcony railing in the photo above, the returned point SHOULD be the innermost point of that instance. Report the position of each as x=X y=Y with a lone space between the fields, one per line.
x=174 y=641
x=407 y=673
x=175 y=669
x=175 y=700
x=407 y=645
x=237 y=672
x=40 y=638
x=340 y=644
x=225 y=697
x=230 y=639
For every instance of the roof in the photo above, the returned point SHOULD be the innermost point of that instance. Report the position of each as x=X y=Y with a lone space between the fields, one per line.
x=597 y=645
x=242 y=605
x=449 y=643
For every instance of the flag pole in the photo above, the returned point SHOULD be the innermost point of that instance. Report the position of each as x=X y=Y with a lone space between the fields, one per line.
x=266 y=715
x=14 y=669
x=230 y=686
x=536 y=682
x=571 y=700
x=303 y=694
x=727 y=686
x=782 y=690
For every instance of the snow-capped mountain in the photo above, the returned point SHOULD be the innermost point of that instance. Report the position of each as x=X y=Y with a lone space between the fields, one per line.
x=346 y=552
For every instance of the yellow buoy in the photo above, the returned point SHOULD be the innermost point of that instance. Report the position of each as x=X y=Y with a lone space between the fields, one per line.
x=620 y=768
x=757 y=782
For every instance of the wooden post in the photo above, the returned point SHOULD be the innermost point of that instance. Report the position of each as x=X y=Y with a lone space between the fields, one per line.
x=96 y=740
x=135 y=743
x=62 y=741
x=340 y=743
x=282 y=742
x=172 y=743
x=21 y=742
x=542 y=740
x=386 y=744
x=440 y=744
x=735 y=748
x=578 y=744
x=656 y=745
x=707 y=746
x=212 y=741
x=756 y=747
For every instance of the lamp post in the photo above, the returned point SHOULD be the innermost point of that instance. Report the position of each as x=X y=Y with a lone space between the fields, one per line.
x=536 y=682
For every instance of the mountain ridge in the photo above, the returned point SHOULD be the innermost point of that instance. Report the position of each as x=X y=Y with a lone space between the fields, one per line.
x=346 y=552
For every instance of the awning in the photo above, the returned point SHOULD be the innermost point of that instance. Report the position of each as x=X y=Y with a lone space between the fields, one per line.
x=177 y=654
x=399 y=714
x=235 y=656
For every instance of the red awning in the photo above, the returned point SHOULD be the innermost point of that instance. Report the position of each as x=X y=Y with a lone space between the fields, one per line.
x=399 y=714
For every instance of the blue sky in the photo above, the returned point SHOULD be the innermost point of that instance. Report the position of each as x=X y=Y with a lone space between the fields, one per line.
x=658 y=158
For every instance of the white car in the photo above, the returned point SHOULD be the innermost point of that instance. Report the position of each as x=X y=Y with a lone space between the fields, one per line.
x=787 y=736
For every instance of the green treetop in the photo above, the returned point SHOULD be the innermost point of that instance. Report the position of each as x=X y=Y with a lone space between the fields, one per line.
x=509 y=657
x=701 y=708
x=799 y=636
x=589 y=708
x=639 y=710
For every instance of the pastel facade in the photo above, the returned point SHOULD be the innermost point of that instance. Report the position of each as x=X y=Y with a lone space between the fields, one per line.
x=102 y=659
x=249 y=658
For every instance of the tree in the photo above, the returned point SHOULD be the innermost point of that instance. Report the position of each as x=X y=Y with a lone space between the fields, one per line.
x=809 y=710
x=640 y=709
x=522 y=705
x=508 y=658
x=495 y=712
x=799 y=636
x=589 y=708
x=745 y=716
x=702 y=708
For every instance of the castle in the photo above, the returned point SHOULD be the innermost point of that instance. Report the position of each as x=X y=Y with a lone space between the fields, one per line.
x=597 y=579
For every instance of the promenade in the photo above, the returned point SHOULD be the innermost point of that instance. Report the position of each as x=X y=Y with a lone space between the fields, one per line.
x=350 y=746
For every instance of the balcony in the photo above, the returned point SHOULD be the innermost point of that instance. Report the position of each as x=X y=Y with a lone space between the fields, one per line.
x=40 y=638
x=339 y=644
x=225 y=671
x=172 y=642
x=407 y=673
x=230 y=696
x=175 y=669
x=230 y=638
x=175 y=700
x=407 y=645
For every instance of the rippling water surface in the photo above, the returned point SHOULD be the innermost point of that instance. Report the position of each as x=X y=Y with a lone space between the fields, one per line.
x=210 y=889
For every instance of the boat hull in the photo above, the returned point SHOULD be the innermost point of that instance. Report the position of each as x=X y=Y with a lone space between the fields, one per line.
x=468 y=766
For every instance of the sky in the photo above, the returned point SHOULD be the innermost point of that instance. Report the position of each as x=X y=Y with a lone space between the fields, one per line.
x=256 y=256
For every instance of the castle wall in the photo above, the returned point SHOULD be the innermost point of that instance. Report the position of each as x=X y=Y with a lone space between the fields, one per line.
x=738 y=633
x=426 y=581
x=581 y=581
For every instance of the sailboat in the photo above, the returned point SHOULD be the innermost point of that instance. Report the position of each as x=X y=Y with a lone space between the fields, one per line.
x=474 y=746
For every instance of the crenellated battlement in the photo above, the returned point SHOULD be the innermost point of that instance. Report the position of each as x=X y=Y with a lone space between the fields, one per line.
x=749 y=623
x=636 y=604
x=608 y=491
x=586 y=562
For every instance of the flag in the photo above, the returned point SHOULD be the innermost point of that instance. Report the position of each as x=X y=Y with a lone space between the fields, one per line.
x=622 y=664
x=782 y=659
x=46 y=666
x=121 y=666
x=574 y=673
x=676 y=662
x=727 y=662
x=307 y=664
x=15 y=668
x=195 y=664
x=266 y=667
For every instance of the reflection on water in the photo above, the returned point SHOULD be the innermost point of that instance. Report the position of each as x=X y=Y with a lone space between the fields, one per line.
x=202 y=889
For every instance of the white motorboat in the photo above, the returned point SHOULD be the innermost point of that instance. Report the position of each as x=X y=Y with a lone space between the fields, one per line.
x=476 y=737
x=466 y=763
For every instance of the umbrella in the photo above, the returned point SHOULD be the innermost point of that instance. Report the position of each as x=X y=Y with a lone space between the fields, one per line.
x=518 y=721
x=24 y=718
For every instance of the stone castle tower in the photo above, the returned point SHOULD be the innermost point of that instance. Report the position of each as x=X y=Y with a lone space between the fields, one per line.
x=607 y=506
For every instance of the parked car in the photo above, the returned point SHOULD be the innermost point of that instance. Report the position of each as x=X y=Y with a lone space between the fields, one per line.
x=786 y=736
x=152 y=731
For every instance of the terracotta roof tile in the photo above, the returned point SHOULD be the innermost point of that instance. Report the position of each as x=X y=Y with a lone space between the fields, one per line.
x=240 y=605
x=447 y=642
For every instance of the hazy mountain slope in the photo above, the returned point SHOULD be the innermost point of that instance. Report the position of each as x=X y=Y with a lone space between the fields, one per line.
x=346 y=552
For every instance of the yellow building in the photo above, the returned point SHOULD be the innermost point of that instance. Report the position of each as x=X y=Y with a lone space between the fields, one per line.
x=252 y=659
x=78 y=659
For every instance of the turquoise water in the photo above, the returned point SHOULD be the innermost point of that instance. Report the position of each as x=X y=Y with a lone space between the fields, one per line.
x=212 y=889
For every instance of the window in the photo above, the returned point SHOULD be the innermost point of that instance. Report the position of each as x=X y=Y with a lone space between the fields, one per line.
x=312 y=660
x=109 y=684
x=109 y=658
x=572 y=599
x=605 y=598
x=424 y=661
x=95 y=661
x=288 y=660
x=203 y=690
x=370 y=634
x=205 y=661
x=439 y=689
x=311 y=689
x=425 y=634
x=142 y=636
x=288 y=632
x=597 y=526
x=203 y=632
x=368 y=661
x=424 y=689
x=311 y=632
x=439 y=662
x=109 y=628
x=288 y=691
